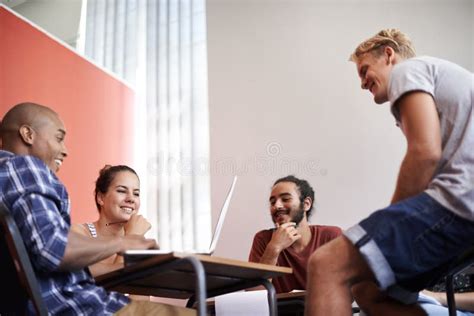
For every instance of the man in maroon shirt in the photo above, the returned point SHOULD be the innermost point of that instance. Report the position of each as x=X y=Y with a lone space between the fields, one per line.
x=292 y=240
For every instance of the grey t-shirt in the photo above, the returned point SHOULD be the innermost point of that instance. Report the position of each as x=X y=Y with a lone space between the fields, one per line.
x=452 y=88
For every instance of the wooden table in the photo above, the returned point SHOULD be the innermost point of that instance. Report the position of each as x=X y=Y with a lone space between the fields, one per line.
x=191 y=276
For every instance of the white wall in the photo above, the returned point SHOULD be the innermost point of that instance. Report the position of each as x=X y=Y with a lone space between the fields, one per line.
x=281 y=90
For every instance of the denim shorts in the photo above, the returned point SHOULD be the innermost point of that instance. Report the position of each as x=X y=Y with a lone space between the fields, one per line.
x=410 y=244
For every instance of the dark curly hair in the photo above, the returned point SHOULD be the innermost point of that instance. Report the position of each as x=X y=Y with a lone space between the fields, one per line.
x=106 y=176
x=304 y=188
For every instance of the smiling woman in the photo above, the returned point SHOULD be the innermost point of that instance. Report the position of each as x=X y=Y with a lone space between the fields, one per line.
x=117 y=197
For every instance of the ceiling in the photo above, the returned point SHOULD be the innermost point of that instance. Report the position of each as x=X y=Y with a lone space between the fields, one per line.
x=12 y=3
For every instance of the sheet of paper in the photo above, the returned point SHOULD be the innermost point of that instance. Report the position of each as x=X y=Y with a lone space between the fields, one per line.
x=253 y=303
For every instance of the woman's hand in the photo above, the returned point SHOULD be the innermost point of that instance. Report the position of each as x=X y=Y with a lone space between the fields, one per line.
x=137 y=225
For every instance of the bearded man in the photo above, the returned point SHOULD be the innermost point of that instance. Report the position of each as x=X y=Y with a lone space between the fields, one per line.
x=291 y=242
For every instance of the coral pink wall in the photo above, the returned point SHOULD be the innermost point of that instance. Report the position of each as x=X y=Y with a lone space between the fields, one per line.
x=95 y=107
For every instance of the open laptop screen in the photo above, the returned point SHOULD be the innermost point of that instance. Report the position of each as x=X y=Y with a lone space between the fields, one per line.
x=132 y=255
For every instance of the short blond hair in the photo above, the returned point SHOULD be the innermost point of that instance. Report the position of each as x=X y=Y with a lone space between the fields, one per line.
x=394 y=38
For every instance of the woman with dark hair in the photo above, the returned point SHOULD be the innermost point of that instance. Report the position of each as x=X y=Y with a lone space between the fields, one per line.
x=117 y=197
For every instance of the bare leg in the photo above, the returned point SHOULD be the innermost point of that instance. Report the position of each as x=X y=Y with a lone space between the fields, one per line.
x=153 y=308
x=374 y=302
x=332 y=270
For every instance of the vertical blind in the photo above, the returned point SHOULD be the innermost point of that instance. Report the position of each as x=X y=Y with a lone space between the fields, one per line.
x=160 y=48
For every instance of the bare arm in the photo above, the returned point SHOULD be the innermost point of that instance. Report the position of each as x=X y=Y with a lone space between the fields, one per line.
x=464 y=301
x=82 y=251
x=137 y=225
x=420 y=124
x=283 y=237
x=106 y=265
x=100 y=267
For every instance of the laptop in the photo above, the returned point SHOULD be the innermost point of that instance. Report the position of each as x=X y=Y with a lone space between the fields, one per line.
x=136 y=255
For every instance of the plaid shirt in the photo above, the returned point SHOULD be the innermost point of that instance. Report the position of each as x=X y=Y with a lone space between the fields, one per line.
x=39 y=204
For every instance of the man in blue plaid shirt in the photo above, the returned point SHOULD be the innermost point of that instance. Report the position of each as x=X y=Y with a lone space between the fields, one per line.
x=33 y=151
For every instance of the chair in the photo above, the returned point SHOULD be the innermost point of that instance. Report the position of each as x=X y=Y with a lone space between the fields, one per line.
x=17 y=276
x=461 y=264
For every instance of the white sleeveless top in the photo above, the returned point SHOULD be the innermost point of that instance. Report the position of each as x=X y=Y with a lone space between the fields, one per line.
x=92 y=229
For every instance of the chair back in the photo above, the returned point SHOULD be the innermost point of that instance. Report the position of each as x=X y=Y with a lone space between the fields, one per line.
x=464 y=262
x=18 y=280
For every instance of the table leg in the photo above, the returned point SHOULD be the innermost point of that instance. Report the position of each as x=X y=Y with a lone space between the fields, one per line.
x=272 y=305
x=200 y=293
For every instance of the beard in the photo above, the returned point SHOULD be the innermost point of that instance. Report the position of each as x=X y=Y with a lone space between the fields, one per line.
x=298 y=214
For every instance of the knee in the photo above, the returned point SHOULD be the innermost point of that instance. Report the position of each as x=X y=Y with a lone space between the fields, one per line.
x=315 y=259
x=338 y=257
x=320 y=261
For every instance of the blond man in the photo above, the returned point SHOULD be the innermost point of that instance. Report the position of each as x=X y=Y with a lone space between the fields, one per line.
x=399 y=250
